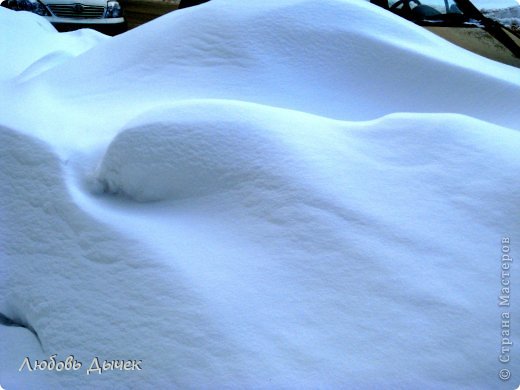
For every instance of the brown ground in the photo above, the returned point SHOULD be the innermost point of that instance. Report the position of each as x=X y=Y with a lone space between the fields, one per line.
x=138 y=12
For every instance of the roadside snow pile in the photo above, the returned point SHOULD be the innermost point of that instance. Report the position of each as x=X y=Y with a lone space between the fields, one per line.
x=30 y=43
x=257 y=196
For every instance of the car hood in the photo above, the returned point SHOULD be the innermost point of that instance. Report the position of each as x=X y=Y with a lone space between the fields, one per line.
x=87 y=2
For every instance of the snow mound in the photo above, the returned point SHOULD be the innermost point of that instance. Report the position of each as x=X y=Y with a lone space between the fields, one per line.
x=345 y=60
x=174 y=153
x=80 y=286
x=255 y=195
x=296 y=207
x=30 y=39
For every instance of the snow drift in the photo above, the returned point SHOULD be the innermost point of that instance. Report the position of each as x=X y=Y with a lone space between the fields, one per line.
x=272 y=195
x=31 y=44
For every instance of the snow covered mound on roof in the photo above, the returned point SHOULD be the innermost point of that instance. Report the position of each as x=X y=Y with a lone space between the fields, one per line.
x=291 y=194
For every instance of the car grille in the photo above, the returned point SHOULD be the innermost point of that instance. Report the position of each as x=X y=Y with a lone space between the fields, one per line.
x=77 y=11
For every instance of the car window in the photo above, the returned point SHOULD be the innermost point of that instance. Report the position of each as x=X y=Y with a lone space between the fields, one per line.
x=439 y=6
x=449 y=6
x=495 y=4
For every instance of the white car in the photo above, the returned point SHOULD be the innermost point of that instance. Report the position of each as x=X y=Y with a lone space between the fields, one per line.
x=102 y=15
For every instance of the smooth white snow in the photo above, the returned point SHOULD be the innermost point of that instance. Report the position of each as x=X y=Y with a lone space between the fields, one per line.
x=291 y=194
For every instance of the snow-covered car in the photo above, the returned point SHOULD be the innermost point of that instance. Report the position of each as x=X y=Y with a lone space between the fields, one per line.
x=462 y=22
x=102 y=15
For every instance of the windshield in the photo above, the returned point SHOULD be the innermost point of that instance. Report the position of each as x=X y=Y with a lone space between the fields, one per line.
x=430 y=7
x=495 y=4
x=431 y=11
x=480 y=4
x=447 y=11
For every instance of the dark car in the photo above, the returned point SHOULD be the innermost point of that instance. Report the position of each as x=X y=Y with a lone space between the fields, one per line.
x=462 y=23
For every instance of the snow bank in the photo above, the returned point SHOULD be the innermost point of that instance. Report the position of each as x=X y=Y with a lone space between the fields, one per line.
x=62 y=271
x=30 y=41
x=271 y=195
x=322 y=59
x=174 y=153
x=323 y=225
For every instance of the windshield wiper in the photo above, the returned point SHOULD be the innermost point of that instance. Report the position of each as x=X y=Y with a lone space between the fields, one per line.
x=491 y=26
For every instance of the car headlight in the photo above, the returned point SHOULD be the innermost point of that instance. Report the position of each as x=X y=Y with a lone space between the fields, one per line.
x=34 y=6
x=113 y=10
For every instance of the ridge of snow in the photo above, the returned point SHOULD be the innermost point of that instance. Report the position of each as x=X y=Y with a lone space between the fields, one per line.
x=255 y=195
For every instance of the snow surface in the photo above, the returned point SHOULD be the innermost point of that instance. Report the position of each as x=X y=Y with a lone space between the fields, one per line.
x=291 y=194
